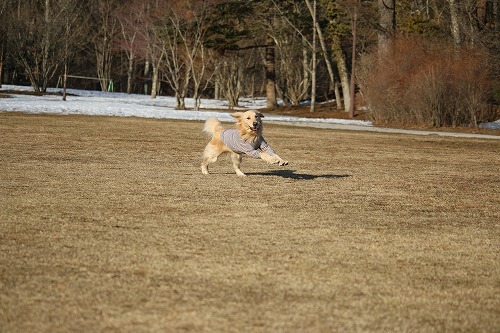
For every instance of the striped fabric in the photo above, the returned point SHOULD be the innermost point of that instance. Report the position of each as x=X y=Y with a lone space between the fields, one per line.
x=233 y=141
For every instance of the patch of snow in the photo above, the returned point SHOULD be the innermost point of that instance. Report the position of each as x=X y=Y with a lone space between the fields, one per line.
x=134 y=105
x=492 y=125
x=100 y=103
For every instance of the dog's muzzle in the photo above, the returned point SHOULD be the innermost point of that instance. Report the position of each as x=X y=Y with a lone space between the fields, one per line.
x=255 y=126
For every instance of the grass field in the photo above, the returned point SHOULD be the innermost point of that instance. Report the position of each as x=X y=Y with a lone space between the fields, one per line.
x=108 y=225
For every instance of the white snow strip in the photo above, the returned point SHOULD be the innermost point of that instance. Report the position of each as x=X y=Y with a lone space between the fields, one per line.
x=163 y=107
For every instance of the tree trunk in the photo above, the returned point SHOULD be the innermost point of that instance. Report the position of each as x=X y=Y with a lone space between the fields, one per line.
x=337 y=95
x=46 y=48
x=154 y=84
x=103 y=43
x=180 y=102
x=342 y=68
x=455 y=23
x=496 y=15
x=481 y=13
x=197 y=100
x=353 y=63
x=328 y=63
x=130 y=73
x=66 y=58
x=217 y=89
x=387 y=22
x=270 y=75
x=102 y=67
x=146 y=73
x=65 y=79
x=313 y=75
x=1 y=64
x=305 y=66
x=184 y=89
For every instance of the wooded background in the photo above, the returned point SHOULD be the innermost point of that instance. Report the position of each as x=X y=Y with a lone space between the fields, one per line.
x=412 y=58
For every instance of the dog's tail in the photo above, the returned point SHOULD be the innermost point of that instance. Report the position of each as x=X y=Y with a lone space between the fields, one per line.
x=212 y=125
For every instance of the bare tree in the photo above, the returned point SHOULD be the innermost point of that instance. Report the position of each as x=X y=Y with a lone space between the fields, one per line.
x=176 y=68
x=336 y=12
x=455 y=23
x=294 y=66
x=185 y=39
x=194 y=39
x=314 y=63
x=229 y=75
x=293 y=43
x=317 y=38
x=36 y=40
x=324 y=49
x=353 y=59
x=2 y=57
x=387 y=24
x=129 y=21
x=340 y=58
x=3 y=35
x=73 y=17
x=105 y=25
x=151 y=18
x=270 y=71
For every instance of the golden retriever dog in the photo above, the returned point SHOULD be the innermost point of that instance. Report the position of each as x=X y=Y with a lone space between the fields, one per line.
x=245 y=139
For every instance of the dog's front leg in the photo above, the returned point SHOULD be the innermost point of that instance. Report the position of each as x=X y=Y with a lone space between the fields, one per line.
x=274 y=159
x=236 y=158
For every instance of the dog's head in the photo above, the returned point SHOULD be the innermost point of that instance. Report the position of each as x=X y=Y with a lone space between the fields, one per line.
x=249 y=123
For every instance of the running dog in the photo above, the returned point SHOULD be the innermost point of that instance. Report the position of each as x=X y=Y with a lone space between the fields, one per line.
x=245 y=139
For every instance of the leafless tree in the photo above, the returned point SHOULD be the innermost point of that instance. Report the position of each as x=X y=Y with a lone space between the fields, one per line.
x=36 y=39
x=193 y=39
x=387 y=24
x=152 y=16
x=73 y=17
x=353 y=58
x=105 y=29
x=314 y=52
x=3 y=34
x=340 y=57
x=338 y=54
x=229 y=75
x=294 y=58
x=176 y=67
x=455 y=23
x=325 y=52
x=186 y=63
x=270 y=73
x=129 y=20
x=294 y=66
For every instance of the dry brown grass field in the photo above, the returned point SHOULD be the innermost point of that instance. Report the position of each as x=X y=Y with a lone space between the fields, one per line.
x=108 y=225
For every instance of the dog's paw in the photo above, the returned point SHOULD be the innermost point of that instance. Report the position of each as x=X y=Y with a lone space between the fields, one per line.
x=283 y=162
x=273 y=160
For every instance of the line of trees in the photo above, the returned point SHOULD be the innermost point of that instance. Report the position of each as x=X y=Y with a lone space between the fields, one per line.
x=295 y=50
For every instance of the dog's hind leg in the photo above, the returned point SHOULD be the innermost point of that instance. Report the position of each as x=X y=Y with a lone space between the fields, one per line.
x=236 y=158
x=210 y=155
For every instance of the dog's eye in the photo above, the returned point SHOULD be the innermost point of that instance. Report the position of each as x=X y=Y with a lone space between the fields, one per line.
x=248 y=118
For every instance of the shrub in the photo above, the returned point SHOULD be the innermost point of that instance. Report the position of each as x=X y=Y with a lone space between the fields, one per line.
x=425 y=84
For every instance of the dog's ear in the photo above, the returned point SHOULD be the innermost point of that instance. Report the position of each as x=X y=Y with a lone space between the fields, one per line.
x=236 y=114
x=259 y=114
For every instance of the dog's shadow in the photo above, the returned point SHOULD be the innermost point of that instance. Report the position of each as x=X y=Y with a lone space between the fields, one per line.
x=292 y=174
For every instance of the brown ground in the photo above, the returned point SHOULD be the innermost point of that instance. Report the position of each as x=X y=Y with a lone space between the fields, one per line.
x=107 y=225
